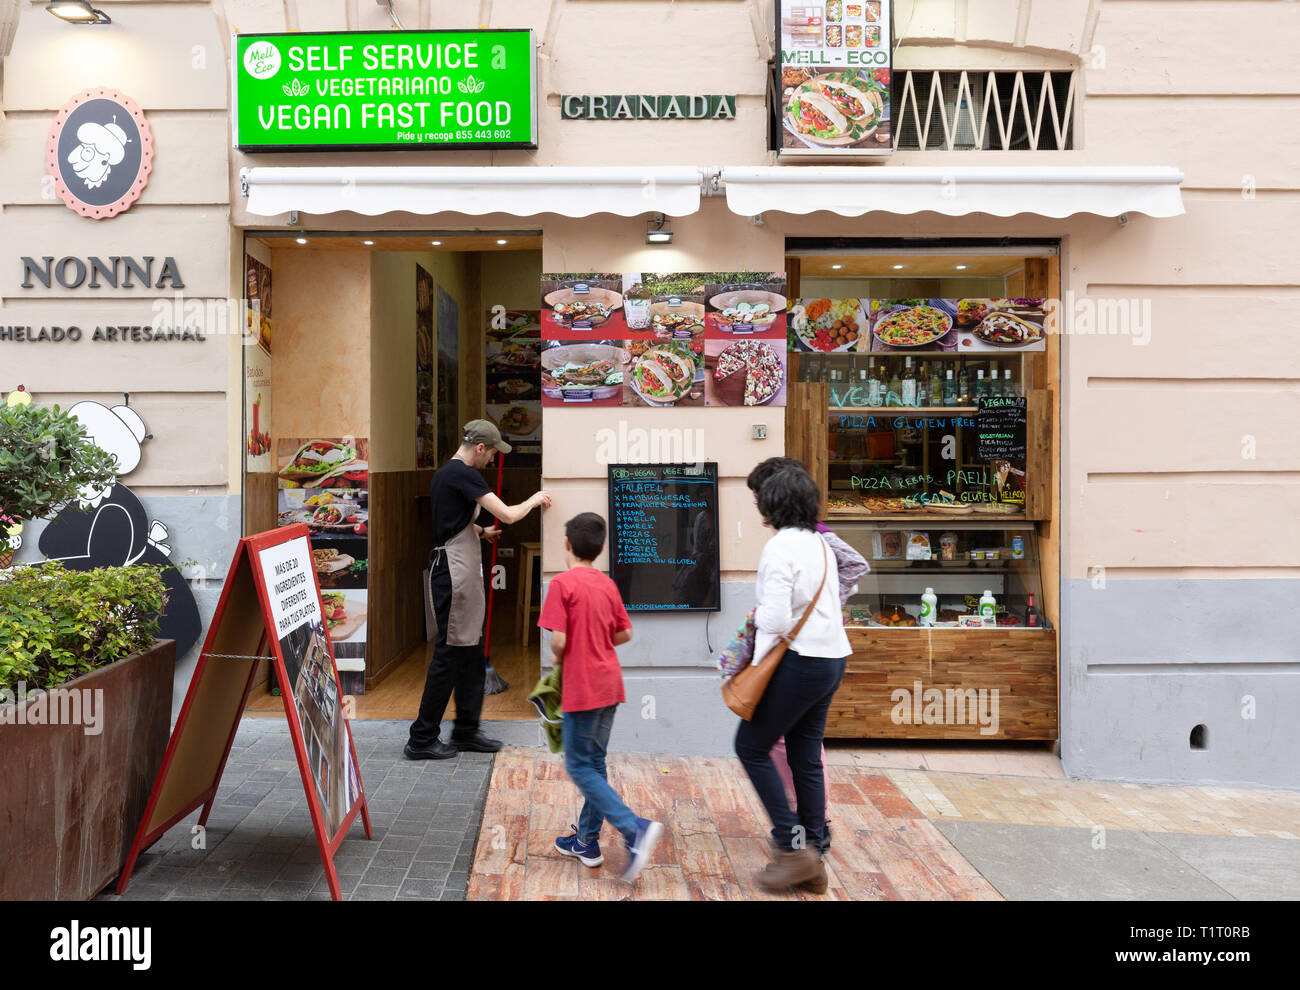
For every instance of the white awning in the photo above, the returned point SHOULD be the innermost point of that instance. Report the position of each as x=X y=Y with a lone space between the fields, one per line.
x=1001 y=191
x=522 y=191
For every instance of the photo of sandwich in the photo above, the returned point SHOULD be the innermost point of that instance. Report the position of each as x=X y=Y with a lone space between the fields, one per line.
x=835 y=108
x=323 y=463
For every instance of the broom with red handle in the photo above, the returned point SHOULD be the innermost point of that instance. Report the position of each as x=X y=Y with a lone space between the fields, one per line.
x=493 y=683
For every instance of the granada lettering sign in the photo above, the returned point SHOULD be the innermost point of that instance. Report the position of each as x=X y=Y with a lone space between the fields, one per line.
x=340 y=91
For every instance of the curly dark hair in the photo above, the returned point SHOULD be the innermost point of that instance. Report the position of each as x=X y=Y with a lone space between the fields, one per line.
x=789 y=498
x=765 y=469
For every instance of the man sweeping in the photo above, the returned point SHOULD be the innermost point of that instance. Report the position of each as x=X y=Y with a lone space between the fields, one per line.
x=458 y=492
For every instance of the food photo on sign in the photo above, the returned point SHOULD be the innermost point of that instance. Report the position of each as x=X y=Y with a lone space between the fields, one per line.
x=833 y=77
x=826 y=325
x=744 y=372
x=580 y=306
x=323 y=463
x=664 y=373
x=583 y=374
x=751 y=307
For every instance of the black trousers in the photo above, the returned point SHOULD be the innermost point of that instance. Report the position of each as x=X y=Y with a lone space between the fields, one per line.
x=794 y=705
x=453 y=669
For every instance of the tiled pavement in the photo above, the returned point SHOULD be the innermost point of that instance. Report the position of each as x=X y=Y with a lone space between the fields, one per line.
x=882 y=847
x=899 y=833
x=914 y=824
x=260 y=844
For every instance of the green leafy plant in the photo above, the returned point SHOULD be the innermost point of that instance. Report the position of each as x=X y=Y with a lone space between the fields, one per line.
x=46 y=460
x=57 y=624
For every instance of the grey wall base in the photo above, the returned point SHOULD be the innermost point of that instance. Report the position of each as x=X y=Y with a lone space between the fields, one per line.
x=1144 y=662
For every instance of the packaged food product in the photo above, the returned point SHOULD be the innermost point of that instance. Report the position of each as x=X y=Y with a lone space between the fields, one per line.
x=886 y=545
x=948 y=546
x=918 y=545
x=1018 y=547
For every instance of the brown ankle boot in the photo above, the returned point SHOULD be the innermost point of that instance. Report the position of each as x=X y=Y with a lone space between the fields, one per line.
x=819 y=882
x=790 y=867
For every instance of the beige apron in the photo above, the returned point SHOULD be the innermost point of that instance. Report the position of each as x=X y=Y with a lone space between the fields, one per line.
x=465 y=565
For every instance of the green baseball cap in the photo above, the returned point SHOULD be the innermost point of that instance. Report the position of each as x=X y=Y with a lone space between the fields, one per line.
x=485 y=432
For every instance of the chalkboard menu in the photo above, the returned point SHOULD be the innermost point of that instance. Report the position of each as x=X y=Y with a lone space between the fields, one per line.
x=1000 y=429
x=663 y=536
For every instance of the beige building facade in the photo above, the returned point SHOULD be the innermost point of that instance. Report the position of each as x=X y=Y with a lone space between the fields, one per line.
x=1177 y=386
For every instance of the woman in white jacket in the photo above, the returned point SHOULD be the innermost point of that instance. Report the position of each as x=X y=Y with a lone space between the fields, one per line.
x=794 y=564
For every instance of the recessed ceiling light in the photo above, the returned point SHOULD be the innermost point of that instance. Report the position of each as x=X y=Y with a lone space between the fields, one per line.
x=301 y=240
x=961 y=268
x=436 y=243
x=837 y=266
x=898 y=267
x=502 y=240
x=367 y=242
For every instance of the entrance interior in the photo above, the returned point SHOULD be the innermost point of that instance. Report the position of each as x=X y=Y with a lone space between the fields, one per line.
x=368 y=352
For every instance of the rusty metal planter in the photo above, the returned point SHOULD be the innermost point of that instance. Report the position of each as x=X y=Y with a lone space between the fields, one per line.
x=70 y=802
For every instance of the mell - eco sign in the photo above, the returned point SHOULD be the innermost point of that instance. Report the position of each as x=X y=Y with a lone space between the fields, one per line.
x=385 y=90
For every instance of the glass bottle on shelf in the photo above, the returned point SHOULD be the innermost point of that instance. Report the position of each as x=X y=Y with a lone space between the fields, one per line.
x=981 y=387
x=994 y=386
x=873 y=384
x=963 y=386
x=936 y=386
x=895 y=384
x=908 y=395
x=1010 y=388
x=949 y=389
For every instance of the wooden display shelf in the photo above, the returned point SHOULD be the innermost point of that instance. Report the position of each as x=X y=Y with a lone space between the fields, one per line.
x=907 y=410
x=861 y=515
x=1020 y=664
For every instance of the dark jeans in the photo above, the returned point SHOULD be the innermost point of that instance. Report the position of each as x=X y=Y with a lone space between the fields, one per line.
x=458 y=669
x=586 y=737
x=794 y=705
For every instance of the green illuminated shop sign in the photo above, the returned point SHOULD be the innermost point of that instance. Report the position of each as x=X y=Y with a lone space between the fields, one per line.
x=385 y=90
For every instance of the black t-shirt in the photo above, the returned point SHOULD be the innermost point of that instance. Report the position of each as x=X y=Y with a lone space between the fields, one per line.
x=455 y=489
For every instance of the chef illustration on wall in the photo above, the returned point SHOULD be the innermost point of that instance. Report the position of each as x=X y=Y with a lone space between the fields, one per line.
x=110 y=527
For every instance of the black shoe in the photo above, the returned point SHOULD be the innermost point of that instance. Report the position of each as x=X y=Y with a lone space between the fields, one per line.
x=437 y=750
x=477 y=743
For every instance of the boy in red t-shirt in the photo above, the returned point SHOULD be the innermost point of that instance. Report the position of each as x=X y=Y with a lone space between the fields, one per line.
x=587 y=620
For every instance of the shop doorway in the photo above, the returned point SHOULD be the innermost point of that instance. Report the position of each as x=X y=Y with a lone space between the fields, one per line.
x=368 y=352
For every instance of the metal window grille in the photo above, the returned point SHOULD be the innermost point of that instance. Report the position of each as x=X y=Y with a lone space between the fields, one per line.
x=961 y=110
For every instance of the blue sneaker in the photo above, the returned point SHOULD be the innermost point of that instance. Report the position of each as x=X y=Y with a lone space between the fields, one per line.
x=571 y=845
x=641 y=847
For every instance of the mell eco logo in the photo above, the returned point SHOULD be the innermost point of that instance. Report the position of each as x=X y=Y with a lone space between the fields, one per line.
x=99 y=153
x=262 y=60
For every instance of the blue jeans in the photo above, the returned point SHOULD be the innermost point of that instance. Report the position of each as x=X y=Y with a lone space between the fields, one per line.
x=586 y=737
x=794 y=705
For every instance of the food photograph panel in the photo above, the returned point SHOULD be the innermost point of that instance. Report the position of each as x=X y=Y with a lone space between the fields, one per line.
x=583 y=373
x=514 y=358
x=665 y=305
x=964 y=325
x=337 y=462
x=582 y=306
x=344 y=512
x=751 y=307
x=512 y=386
x=744 y=372
x=1001 y=324
x=664 y=373
x=827 y=325
x=520 y=423
x=835 y=79
x=340 y=561
x=512 y=324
